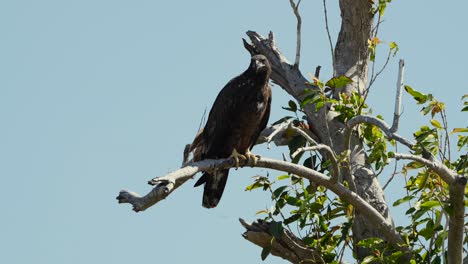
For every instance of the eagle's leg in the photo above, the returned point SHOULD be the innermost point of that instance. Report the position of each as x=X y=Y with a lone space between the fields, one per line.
x=237 y=157
x=250 y=156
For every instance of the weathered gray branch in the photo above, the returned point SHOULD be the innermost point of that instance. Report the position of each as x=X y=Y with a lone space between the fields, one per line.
x=295 y=8
x=330 y=155
x=397 y=112
x=169 y=182
x=378 y=123
x=286 y=246
x=328 y=35
x=445 y=173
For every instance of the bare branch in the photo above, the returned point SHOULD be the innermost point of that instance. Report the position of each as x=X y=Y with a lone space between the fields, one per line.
x=330 y=155
x=274 y=133
x=376 y=122
x=397 y=112
x=295 y=8
x=168 y=183
x=445 y=173
x=305 y=134
x=329 y=36
x=286 y=245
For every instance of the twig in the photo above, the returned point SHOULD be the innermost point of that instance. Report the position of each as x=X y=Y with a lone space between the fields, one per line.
x=276 y=129
x=295 y=8
x=329 y=36
x=376 y=122
x=399 y=84
x=304 y=134
x=374 y=77
x=445 y=173
x=394 y=171
x=331 y=157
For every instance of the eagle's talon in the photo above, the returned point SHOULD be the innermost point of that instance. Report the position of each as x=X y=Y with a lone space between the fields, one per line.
x=252 y=157
x=237 y=157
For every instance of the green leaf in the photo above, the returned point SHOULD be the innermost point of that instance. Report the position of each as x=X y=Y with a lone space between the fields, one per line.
x=394 y=47
x=277 y=193
x=282 y=177
x=254 y=185
x=310 y=99
x=292 y=218
x=266 y=250
x=419 y=97
x=430 y=204
x=319 y=105
x=403 y=200
x=436 y=124
x=338 y=82
x=276 y=229
x=292 y=105
x=261 y=212
x=460 y=130
x=413 y=165
x=369 y=242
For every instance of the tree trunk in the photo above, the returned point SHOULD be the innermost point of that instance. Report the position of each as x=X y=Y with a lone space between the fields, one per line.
x=351 y=59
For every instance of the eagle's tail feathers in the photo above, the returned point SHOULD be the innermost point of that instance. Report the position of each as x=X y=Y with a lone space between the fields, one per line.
x=202 y=180
x=214 y=187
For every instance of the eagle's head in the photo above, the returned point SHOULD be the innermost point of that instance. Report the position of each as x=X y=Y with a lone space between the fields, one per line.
x=260 y=64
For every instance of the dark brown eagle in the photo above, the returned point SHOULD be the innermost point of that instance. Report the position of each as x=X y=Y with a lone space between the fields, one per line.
x=239 y=114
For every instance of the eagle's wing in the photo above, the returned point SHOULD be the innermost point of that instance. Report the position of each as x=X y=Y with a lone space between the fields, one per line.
x=213 y=145
x=218 y=124
x=263 y=122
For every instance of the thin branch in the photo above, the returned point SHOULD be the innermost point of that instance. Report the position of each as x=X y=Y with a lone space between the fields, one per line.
x=329 y=36
x=304 y=134
x=445 y=173
x=167 y=184
x=394 y=171
x=274 y=133
x=374 y=77
x=295 y=8
x=376 y=122
x=399 y=84
x=330 y=154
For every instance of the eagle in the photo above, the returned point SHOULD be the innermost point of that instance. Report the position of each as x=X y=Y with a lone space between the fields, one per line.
x=238 y=115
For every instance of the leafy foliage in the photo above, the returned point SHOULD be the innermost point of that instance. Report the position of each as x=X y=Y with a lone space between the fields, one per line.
x=323 y=221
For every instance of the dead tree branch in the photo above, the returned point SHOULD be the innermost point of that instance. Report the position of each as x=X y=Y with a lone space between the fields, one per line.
x=286 y=246
x=169 y=182
x=295 y=8
x=397 y=112
x=328 y=34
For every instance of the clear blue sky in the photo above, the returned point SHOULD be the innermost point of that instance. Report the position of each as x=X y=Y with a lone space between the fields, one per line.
x=96 y=96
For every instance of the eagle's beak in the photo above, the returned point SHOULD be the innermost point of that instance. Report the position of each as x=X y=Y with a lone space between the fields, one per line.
x=259 y=65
